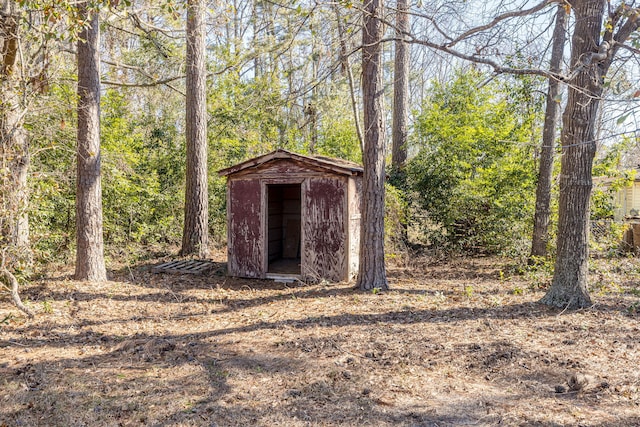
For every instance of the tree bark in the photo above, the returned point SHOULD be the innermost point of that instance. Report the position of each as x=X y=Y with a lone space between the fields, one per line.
x=14 y=156
x=195 y=237
x=90 y=247
x=399 y=130
x=311 y=109
x=540 y=237
x=14 y=220
x=371 y=271
x=569 y=285
x=15 y=160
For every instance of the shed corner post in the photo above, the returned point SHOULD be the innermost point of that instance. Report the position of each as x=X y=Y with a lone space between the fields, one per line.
x=230 y=271
x=304 y=188
x=264 y=228
x=346 y=270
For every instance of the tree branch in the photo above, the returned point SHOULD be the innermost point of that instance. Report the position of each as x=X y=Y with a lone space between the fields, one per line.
x=622 y=35
x=629 y=48
x=148 y=84
x=138 y=24
x=497 y=68
x=15 y=296
x=605 y=54
x=498 y=19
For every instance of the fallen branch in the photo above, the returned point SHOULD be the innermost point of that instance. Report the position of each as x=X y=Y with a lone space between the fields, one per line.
x=11 y=279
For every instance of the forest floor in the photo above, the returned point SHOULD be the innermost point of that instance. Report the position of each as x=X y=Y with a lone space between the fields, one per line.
x=461 y=342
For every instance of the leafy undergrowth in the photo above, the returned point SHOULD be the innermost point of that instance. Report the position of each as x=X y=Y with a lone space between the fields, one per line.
x=459 y=343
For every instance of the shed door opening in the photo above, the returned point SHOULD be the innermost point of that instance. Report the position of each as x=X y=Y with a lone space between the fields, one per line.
x=284 y=225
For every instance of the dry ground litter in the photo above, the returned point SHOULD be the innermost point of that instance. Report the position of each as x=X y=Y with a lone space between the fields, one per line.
x=461 y=342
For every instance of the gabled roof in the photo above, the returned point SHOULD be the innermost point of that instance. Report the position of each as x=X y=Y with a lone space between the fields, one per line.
x=340 y=166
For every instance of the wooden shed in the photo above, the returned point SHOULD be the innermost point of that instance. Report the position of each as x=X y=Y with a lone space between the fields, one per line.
x=293 y=216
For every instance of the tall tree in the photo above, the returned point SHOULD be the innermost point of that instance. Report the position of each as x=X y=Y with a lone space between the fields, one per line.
x=14 y=223
x=595 y=43
x=543 y=190
x=195 y=237
x=346 y=68
x=14 y=156
x=371 y=271
x=89 y=237
x=399 y=129
x=593 y=48
x=311 y=108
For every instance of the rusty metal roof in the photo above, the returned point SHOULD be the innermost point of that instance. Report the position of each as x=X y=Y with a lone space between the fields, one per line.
x=340 y=166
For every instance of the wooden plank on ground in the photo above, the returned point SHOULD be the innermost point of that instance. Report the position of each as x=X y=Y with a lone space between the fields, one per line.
x=190 y=266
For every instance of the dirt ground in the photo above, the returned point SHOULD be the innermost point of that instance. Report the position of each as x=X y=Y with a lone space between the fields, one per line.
x=456 y=343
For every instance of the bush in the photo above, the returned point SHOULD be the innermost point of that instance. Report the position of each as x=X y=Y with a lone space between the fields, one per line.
x=474 y=175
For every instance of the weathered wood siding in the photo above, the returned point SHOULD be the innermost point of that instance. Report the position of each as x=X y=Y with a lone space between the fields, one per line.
x=355 y=190
x=324 y=252
x=245 y=240
x=281 y=171
x=268 y=222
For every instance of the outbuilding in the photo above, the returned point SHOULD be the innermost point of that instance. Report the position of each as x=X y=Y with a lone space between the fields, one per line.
x=627 y=201
x=293 y=216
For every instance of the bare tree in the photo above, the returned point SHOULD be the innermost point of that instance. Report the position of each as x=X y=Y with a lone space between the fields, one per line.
x=346 y=68
x=399 y=130
x=195 y=237
x=595 y=43
x=540 y=237
x=371 y=271
x=90 y=247
x=593 y=48
x=14 y=221
x=14 y=151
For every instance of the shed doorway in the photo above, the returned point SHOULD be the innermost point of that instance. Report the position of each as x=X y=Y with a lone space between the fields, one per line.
x=284 y=228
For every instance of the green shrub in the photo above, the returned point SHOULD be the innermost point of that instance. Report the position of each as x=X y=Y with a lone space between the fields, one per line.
x=474 y=174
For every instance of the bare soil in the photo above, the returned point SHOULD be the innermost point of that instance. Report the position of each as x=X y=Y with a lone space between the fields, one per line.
x=456 y=343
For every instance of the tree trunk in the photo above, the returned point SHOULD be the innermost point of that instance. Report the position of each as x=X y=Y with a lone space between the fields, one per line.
x=346 y=68
x=400 y=90
x=90 y=247
x=569 y=285
x=543 y=190
x=14 y=157
x=311 y=111
x=311 y=108
x=15 y=160
x=371 y=272
x=195 y=237
x=14 y=220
